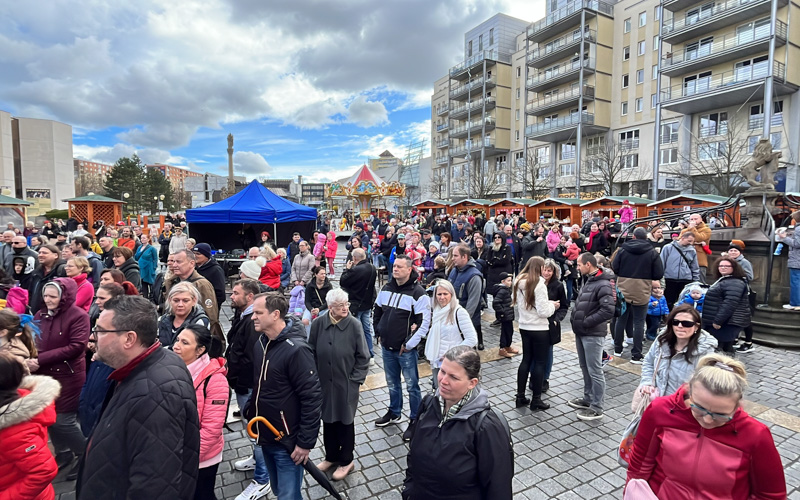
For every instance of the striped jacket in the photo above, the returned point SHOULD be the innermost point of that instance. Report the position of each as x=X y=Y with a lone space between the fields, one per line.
x=397 y=308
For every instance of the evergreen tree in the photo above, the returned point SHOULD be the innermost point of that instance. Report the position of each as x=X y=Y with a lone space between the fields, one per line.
x=127 y=176
x=156 y=185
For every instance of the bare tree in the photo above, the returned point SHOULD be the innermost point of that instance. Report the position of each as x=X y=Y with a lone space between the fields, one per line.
x=533 y=175
x=86 y=183
x=484 y=181
x=610 y=164
x=436 y=186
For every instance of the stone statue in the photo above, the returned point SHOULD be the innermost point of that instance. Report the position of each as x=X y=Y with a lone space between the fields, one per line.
x=763 y=162
x=230 y=141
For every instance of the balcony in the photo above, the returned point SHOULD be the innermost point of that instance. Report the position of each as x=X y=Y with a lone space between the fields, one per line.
x=566 y=17
x=443 y=143
x=721 y=90
x=442 y=126
x=728 y=47
x=756 y=122
x=474 y=108
x=442 y=159
x=545 y=105
x=474 y=127
x=562 y=129
x=559 y=48
x=488 y=144
x=464 y=70
x=442 y=110
x=473 y=87
x=685 y=26
x=557 y=75
x=628 y=144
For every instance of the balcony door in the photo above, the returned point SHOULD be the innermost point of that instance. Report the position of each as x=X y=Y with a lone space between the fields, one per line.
x=699 y=49
x=754 y=30
x=751 y=69
x=699 y=13
x=696 y=84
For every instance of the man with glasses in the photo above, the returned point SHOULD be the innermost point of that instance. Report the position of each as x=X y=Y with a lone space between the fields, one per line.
x=6 y=249
x=19 y=248
x=147 y=442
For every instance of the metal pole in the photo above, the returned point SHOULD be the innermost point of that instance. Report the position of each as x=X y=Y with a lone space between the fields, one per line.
x=770 y=72
x=578 y=142
x=483 y=124
x=469 y=132
x=657 y=125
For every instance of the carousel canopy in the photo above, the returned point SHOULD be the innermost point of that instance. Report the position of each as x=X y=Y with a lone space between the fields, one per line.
x=366 y=183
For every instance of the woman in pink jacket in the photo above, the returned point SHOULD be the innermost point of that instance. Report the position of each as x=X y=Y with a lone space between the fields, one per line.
x=330 y=252
x=202 y=354
x=78 y=269
x=553 y=238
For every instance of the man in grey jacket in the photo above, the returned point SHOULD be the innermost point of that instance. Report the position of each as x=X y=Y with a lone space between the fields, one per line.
x=680 y=267
x=467 y=281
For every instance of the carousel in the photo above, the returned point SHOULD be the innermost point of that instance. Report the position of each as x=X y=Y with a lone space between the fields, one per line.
x=365 y=187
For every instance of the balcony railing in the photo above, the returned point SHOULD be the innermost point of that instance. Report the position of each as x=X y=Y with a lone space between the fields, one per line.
x=560 y=70
x=492 y=55
x=679 y=23
x=442 y=159
x=722 y=81
x=442 y=110
x=560 y=123
x=757 y=121
x=443 y=144
x=442 y=126
x=554 y=100
x=474 y=107
x=628 y=144
x=487 y=142
x=722 y=43
x=472 y=126
x=478 y=82
x=567 y=11
x=559 y=43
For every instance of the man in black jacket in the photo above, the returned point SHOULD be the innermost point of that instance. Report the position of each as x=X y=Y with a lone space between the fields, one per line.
x=242 y=339
x=294 y=247
x=209 y=268
x=402 y=309
x=533 y=245
x=636 y=266
x=287 y=393
x=147 y=442
x=358 y=280
x=593 y=309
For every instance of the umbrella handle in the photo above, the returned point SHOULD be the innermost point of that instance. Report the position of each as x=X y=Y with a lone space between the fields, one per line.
x=278 y=434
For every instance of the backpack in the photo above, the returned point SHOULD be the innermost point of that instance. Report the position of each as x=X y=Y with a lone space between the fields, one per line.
x=17 y=300
x=620 y=306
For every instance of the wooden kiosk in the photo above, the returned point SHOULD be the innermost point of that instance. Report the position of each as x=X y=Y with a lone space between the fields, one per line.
x=11 y=208
x=684 y=202
x=558 y=208
x=95 y=207
x=511 y=206
x=609 y=206
x=469 y=205
x=433 y=205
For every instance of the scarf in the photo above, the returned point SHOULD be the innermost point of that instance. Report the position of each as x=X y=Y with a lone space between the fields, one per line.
x=434 y=342
x=591 y=237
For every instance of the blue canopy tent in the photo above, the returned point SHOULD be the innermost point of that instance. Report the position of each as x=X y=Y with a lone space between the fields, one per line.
x=237 y=221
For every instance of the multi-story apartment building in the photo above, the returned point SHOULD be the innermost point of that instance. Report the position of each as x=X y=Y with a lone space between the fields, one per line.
x=598 y=97
x=175 y=175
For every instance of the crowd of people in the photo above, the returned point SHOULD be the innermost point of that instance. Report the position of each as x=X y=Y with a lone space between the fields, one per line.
x=114 y=351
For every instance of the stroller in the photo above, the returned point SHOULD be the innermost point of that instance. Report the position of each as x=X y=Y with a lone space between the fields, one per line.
x=688 y=288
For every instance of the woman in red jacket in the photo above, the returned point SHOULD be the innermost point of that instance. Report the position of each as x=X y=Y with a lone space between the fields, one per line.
x=202 y=354
x=27 y=409
x=700 y=443
x=271 y=272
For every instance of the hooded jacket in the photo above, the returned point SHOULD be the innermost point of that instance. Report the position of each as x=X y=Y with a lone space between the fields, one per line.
x=478 y=463
x=502 y=303
x=594 y=307
x=270 y=274
x=675 y=266
x=31 y=259
x=211 y=391
x=359 y=283
x=397 y=308
x=673 y=371
x=319 y=246
x=26 y=465
x=62 y=346
x=302 y=266
x=39 y=279
x=331 y=245
x=681 y=460
x=287 y=390
x=636 y=266
x=147 y=257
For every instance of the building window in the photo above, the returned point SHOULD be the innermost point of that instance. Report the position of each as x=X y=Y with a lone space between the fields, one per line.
x=518 y=93
x=653 y=101
x=656 y=13
x=542 y=155
x=624 y=110
x=517 y=135
x=491 y=37
x=698 y=49
x=625 y=81
x=642 y=18
x=629 y=139
x=641 y=48
x=638 y=104
x=655 y=71
x=626 y=53
x=639 y=76
x=669 y=132
x=775 y=139
x=519 y=71
x=480 y=43
x=713 y=124
x=751 y=143
x=568 y=151
x=711 y=150
x=630 y=161
x=655 y=43
x=669 y=156
x=517 y=113
x=566 y=170
x=469 y=48
x=627 y=25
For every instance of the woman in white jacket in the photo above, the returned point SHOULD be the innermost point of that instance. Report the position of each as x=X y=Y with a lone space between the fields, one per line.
x=533 y=309
x=450 y=326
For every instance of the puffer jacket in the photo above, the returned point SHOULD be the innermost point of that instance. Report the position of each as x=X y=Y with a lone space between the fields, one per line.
x=502 y=304
x=270 y=274
x=594 y=307
x=726 y=303
x=319 y=246
x=168 y=334
x=211 y=391
x=152 y=416
x=297 y=300
x=675 y=266
x=479 y=463
x=332 y=246
x=793 y=242
x=682 y=461
x=673 y=371
x=302 y=265
x=396 y=309
x=625 y=214
x=636 y=266
x=557 y=291
x=537 y=318
x=131 y=270
x=657 y=306
x=26 y=465
x=62 y=346
x=553 y=239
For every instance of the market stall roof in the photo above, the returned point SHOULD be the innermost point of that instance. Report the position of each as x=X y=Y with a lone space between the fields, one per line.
x=434 y=201
x=8 y=200
x=563 y=201
x=475 y=201
x=518 y=201
x=255 y=204
x=620 y=199
x=96 y=198
x=712 y=198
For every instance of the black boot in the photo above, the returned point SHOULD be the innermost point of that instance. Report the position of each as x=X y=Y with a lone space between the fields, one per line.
x=522 y=401
x=545 y=386
x=537 y=404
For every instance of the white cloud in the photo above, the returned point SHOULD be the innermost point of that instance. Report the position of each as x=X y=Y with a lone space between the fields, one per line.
x=366 y=113
x=247 y=162
x=110 y=154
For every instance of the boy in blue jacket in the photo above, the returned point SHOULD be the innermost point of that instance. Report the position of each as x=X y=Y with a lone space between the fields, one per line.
x=657 y=310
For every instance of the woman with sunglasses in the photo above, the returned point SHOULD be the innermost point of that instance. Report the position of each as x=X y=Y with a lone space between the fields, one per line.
x=499 y=260
x=726 y=310
x=700 y=443
x=675 y=353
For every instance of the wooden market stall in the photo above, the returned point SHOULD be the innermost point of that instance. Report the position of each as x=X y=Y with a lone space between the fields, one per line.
x=609 y=206
x=94 y=208
x=469 y=205
x=686 y=202
x=433 y=205
x=14 y=210
x=558 y=208
x=511 y=206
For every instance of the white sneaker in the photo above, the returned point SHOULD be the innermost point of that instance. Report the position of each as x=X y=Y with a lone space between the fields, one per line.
x=625 y=343
x=254 y=491
x=788 y=306
x=371 y=361
x=246 y=464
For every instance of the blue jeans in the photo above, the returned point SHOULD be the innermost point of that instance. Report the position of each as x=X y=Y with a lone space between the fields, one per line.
x=393 y=364
x=384 y=262
x=794 y=287
x=365 y=317
x=286 y=478
x=260 y=473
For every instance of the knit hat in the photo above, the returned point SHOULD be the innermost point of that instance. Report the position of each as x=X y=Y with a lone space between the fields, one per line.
x=696 y=287
x=435 y=245
x=796 y=216
x=737 y=244
x=203 y=248
x=504 y=276
x=250 y=269
x=640 y=233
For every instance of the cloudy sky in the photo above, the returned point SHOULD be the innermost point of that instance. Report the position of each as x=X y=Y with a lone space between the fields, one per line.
x=312 y=87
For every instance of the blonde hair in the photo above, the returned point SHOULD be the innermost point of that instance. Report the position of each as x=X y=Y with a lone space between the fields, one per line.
x=82 y=263
x=453 y=305
x=720 y=375
x=182 y=287
x=268 y=253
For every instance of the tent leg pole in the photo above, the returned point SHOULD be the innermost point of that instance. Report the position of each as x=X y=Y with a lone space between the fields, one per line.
x=275 y=232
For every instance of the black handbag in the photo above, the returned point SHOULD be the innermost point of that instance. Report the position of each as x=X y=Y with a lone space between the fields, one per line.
x=554 y=331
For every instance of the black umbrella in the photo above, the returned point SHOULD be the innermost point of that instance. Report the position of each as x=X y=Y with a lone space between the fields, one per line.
x=317 y=474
